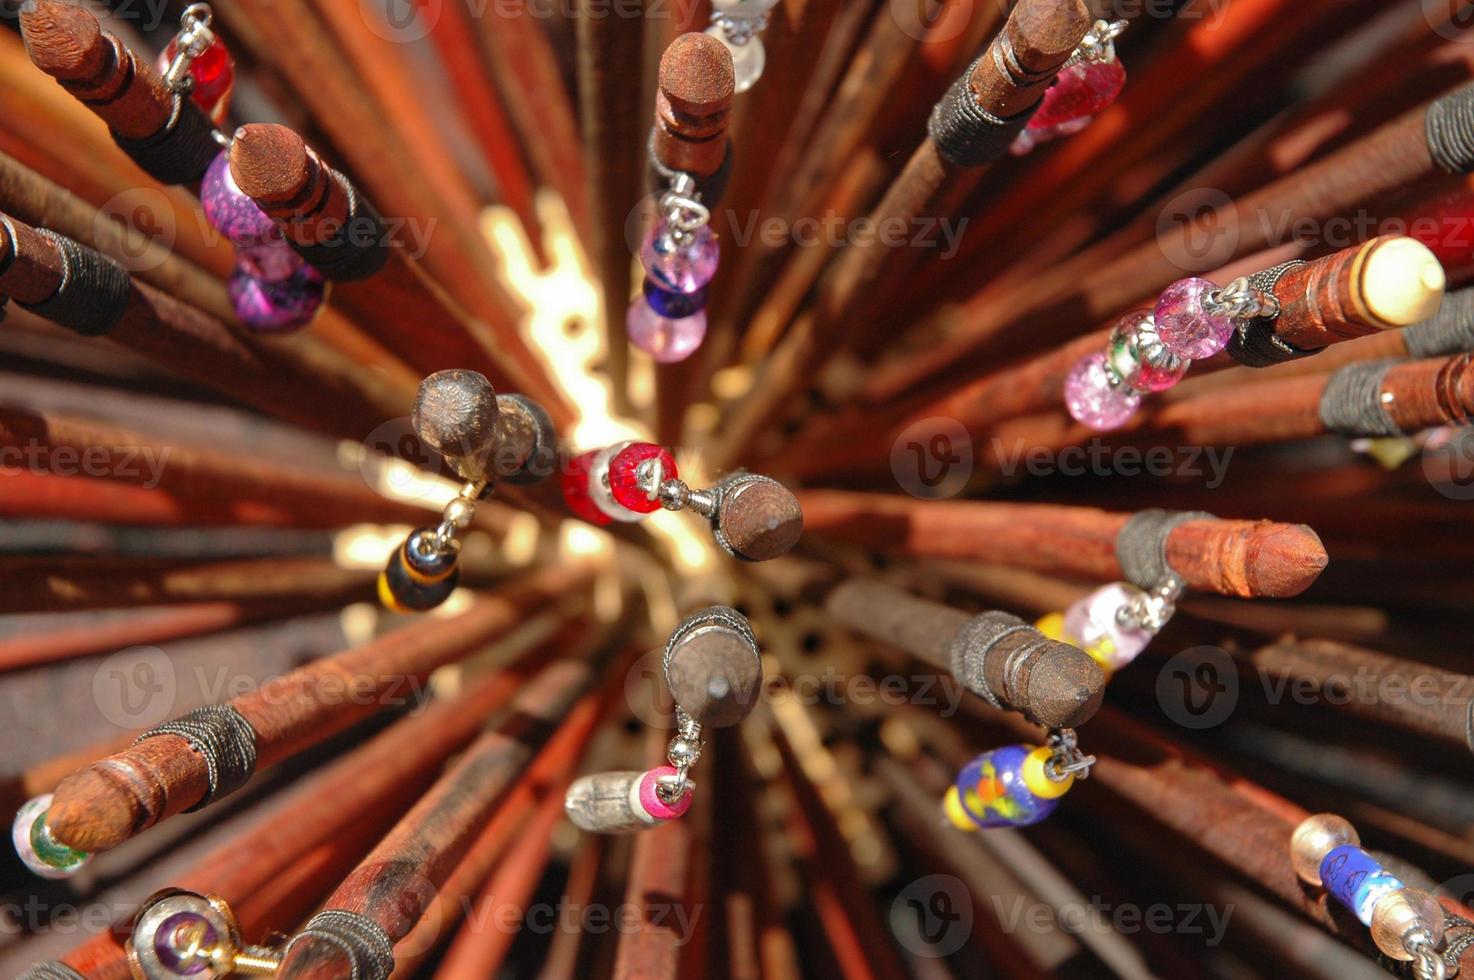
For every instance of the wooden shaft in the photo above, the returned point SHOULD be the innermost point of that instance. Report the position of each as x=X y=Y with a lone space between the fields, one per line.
x=1242 y=558
x=365 y=787
x=1059 y=686
x=240 y=487
x=66 y=41
x=395 y=884
x=1388 y=282
x=69 y=582
x=110 y=801
x=692 y=104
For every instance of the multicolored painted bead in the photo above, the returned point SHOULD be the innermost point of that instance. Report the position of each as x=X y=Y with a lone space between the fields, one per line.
x=1007 y=787
x=1355 y=879
x=43 y=854
x=1139 y=357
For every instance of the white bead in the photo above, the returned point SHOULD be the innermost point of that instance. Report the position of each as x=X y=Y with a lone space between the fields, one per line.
x=743 y=8
x=747 y=59
x=21 y=831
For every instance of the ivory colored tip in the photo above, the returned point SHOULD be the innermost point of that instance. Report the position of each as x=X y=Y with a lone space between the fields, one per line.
x=269 y=162
x=87 y=810
x=1402 y=282
x=63 y=40
x=697 y=76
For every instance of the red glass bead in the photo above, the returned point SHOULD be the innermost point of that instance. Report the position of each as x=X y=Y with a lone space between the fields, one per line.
x=576 y=493
x=1084 y=89
x=213 y=71
x=624 y=483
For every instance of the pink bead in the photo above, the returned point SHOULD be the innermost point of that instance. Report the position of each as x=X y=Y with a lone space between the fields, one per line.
x=624 y=481
x=1083 y=89
x=1092 y=625
x=1139 y=358
x=1030 y=138
x=575 y=482
x=287 y=304
x=664 y=339
x=1093 y=400
x=651 y=800
x=1185 y=326
x=230 y=210
x=269 y=261
x=680 y=268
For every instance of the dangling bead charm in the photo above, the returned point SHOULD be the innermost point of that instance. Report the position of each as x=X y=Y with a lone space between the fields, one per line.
x=1407 y=924
x=636 y=467
x=680 y=255
x=1188 y=323
x=1096 y=396
x=206 y=66
x=232 y=212
x=484 y=436
x=1139 y=358
x=737 y=24
x=183 y=935
x=1015 y=786
x=43 y=854
x=667 y=339
x=1086 y=86
x=277 y=306
x=680 y=264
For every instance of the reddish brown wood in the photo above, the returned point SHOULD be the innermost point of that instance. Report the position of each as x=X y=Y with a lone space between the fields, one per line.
x=365 y=788
x=1242 y=558
x=396 y=883
x=246 y=488
x=692 y=105
x=66 y=41
x=110 y=801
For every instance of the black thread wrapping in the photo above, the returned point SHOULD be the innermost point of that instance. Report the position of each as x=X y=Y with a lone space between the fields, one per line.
x=358 y=249
x=1254 y=342
x=1352 y=401
x=1449 y=129
x=51 y=970
x=709 y=189
x=966 y=134
x=1449 y=331
x=182 y=151
x=367 y=946
x=1141 y=544
x=94 y=290
x=225 y=740
x=968 y=650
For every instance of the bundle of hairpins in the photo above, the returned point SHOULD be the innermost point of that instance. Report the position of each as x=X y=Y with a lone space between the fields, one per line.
x=636 y=490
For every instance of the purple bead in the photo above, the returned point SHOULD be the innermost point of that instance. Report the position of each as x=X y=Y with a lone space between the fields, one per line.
x=1185 y=326
x=662 y=338
x=269 y=261
x=287 y=304
x=183 y=941
x=235 y=215
x=680 y=268
x=1093 y=400
x=671 y=305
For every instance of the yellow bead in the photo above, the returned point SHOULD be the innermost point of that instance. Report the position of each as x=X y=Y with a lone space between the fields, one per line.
x=387 y=597
x=1052 y=625
x=1036 y=776
x=952 y=807
x=1316 y=837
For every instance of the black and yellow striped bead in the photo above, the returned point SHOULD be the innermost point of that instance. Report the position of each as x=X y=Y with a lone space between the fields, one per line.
x=417 y=577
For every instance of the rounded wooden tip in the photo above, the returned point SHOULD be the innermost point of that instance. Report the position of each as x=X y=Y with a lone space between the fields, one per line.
x=1046 y=32
x=88 y=810
x=696 y=75
x=1402 y=282
x=1065 y=687
x=760 y=519
x=456 y=413
x=270 y=162
x=715 y=675
x=63 y=40
x=1286 y=560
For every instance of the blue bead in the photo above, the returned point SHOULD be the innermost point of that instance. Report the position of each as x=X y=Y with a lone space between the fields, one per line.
x=1016 y=805
x=673 y=305
x=1357 y=880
